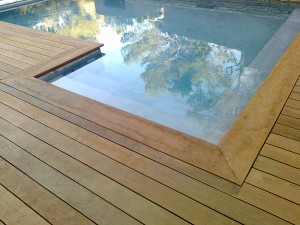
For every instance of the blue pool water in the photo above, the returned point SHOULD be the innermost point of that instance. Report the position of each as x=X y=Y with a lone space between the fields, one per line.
x=188 y=66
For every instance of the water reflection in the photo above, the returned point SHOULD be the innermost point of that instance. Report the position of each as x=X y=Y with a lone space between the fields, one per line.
x=166 y=72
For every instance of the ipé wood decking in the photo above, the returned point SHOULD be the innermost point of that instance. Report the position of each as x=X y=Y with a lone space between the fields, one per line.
x=59 y=166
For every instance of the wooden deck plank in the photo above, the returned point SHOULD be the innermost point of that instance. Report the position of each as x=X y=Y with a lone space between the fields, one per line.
x=297 y=88
x=31 y=43
x=289 y=121
x=55 y=44
x=293 y=103
x=19 y=57
x=295 y=96
x=278 y=169
x=8 y=68
x=283 y=142
x=13 y=62
x=141 y=149
x=15 y=212
x=281 y=155
x=74 y=194
x=270 y=203
x=286 y=131
x=28 y=47
x=274 y=185
x=4 y=74
x=213 y=198
x=43 y=34
x=291 y=112
x=118 y=195
x=23 y=51
x=165 y=197
x=38 y=198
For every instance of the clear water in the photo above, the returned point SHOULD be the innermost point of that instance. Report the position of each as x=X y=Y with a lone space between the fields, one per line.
x=179 y=65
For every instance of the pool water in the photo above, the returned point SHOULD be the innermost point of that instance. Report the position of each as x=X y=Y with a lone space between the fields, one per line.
x=188 y=66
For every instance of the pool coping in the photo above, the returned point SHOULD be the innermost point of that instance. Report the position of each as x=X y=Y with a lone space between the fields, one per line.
x=231 y=159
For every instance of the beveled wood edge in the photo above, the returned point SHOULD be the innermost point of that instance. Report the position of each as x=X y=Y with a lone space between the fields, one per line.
x=244 y=140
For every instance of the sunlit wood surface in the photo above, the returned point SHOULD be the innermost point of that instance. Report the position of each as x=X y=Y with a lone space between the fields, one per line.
x=57 y=167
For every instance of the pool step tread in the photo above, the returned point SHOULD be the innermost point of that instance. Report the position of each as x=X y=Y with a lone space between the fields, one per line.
x=206 y=195
x=38 y=198
x=15 y=212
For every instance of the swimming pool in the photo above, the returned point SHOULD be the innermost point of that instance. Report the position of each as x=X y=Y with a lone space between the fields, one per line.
x=189 y=66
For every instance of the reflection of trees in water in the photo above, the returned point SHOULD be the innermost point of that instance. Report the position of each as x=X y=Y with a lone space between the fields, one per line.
x=208 y=76
x=76 y=18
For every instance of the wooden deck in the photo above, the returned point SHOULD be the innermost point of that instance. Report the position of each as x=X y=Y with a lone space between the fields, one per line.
x=60 y=164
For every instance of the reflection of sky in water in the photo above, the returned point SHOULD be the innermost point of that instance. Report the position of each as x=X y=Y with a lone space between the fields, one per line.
x=156 y=69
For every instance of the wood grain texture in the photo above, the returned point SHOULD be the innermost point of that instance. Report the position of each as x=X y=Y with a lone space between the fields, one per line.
x=53 y=43
x=4 y=74
x=85 y=125
x=271 y=203
x=161 y=195
x=174 y=143
x=291 y=112
x=211 y=197
x=38 y=198
x=19 y=57
x=293 y=103
x=121 y=197
x=274 y=185
x=23 y=51
x=283 y=142
x=95 y=208
x=281 y=155
x=286 y=131
x=15 y=212
x=278 y=169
